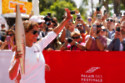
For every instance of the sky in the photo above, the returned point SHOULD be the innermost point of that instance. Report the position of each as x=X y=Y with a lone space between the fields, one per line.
x=78 y=2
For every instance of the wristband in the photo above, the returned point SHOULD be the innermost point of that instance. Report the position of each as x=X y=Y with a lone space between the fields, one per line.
x=91 y=36
x=64 y=45
x=76 y=43
x=97 y=38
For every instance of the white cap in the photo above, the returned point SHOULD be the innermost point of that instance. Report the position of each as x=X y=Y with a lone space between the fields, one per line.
x=78 y=14
x=79 y=24
x=36 y=19
x=103 y=27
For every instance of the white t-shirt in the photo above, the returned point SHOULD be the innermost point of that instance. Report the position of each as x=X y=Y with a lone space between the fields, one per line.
x=34 y=61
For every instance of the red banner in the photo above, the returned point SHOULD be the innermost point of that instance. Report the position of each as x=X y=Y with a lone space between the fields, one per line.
x=85 y=67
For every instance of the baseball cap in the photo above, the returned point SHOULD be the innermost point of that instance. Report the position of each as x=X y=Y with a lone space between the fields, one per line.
x=36 y=19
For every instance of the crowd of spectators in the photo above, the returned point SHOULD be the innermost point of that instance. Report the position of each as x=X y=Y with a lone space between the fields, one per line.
x=101 y=32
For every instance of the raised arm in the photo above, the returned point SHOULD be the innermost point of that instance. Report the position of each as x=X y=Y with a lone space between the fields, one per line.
x=89 y=41
x=63 y=23
x=100 y=45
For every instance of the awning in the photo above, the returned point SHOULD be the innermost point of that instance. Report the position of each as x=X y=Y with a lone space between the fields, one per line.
x=13 y=15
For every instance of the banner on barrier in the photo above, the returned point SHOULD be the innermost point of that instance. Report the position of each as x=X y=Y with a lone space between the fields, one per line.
x=85 y=67
x=9 y=6
x=76 y=67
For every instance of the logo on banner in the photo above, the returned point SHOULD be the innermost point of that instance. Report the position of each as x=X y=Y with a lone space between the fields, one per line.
x=92 y=69
x=91 y=75
x=9 y=6
x=12 y=5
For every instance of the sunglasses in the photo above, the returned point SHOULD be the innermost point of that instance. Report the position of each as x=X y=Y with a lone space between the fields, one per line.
x=98 y=26
x=35 y=32
x=10 y=34
x=79 y=25
x=104 y=29
x=110 y=20
x=76 y=37
x=39 y=23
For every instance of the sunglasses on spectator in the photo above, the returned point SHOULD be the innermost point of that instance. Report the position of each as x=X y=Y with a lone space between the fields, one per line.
x=76 y=37
x=10 y=34
x=110 y=20
x=79 y=25
x=104 y=29
x=98 y=26
x=35 y=32
x=39 y=23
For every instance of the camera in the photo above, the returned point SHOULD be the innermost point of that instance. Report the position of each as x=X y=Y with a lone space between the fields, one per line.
x=55 y=24
x=47 y=19
x=8 y=38
x=124 y=13
x=69 y=40
x=99 y=26
x=98 y=9
x=119 y=22
x=78 y=18
x=98 y=16
x=48 y=23
x=118 y=29
x=105 y=12
x=94 y=27
x=72 y=12
x=49 y=14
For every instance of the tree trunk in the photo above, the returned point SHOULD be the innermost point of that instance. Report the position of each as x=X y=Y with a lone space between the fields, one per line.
x=106 y=5
x=92 y=7
x=116 y=6
x=100 y=1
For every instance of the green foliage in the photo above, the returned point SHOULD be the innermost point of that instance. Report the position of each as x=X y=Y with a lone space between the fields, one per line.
x=122 y=6
x=71 y=1
x=45 y=4
x=85 y=2
x=29 y=0
x=57 y=9
x=47 y=10
x=83 y=12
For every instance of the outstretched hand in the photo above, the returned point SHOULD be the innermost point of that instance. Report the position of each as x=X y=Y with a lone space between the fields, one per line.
x=68 y=13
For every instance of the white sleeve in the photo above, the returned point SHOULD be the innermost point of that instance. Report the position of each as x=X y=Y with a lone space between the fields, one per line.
x=47 y=39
